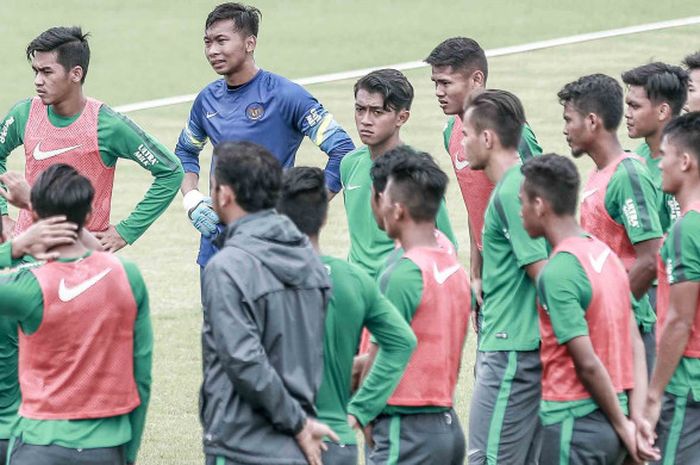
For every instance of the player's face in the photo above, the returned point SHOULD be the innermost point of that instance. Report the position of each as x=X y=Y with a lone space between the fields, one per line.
x=575 y=130
x=693 y=102
x=530 y=214
x=375 y=124
x=641 y=114
x=452 y=87
x=670 y=165
x=52 y=82
x=474 y=144
x=227 y=49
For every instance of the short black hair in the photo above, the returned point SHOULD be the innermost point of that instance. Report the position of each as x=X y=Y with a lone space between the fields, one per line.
x=662 y=83
x=251 y=171
x=246 y=18
x=391 y=84
x=684 y=131
x=417 y=182
x=460 y=53
x=692 y=61
x=381 y=168
x=69 y=43
x=595 y=93
x=498 y=110
x=555 y=179
x=304 y=198
x=61 y=190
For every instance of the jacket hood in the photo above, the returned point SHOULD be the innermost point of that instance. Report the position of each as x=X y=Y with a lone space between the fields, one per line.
x=275 y=241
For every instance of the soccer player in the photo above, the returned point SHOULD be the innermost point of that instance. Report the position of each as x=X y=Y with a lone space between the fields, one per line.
x=431 y=290
x=356 y=303
x=503 y=423
x=382 y=106
x=656 y=93
x=674 y=391
x=459 y=68
x=62 y=125
x=592 y=353
x=85 y=342
x=249 y=104
x=692 y=64
x=619 y=201
x=265 y=295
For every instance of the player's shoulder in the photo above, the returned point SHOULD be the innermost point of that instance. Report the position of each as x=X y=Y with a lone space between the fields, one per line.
x=353 y=157
x=281 y=85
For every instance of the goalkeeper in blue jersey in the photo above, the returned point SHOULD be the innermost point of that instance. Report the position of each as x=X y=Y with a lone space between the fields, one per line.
x=249 y=104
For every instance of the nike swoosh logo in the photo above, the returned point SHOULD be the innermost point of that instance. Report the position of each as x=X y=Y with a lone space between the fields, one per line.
x=460 y=164
x=441 y=276
x=588 y=194
x=598 y=262
x=38 y=154
x=211 y=115
x=66 y=294
x=352 y=188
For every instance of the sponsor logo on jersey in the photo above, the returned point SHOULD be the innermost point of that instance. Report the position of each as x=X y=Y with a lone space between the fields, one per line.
x=144 y=156
x=66 y=294
x=352 y=187
x=211 y=114
x=313 y=117
x=669 y=271
x=598 y=262
x=587 y=194
x=459 y=163
x=630 y=212
x=501 y=335
x=674 y=209
x=254 y=111
x=442 y=275
x=39 y=154
x=6 y=128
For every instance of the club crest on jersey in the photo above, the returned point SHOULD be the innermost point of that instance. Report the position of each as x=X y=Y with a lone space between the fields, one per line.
x=254 y=111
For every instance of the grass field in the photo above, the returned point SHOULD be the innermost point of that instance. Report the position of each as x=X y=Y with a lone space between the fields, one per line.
x=148 y=50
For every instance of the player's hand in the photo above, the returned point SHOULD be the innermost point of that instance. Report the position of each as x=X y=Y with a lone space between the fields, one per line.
x=200 y=212
x=8 y=226
x=358 y=367
x=477 y=290
x=367 y=433
x=645 y=441
x=310 y=440
x=627 y=432
x=44 y=235
x=652 y=410
x=110 y=240
x=16 y=189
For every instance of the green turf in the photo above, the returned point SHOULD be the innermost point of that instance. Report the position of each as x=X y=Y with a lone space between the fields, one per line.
x=146 y=50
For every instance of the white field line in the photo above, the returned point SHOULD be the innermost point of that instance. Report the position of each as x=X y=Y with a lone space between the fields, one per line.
x=496 y=52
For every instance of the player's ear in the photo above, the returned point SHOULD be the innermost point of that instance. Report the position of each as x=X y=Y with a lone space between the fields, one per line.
x=250 y=42
x=688 y=162
x=489 y=138
x=478 y=79
x=663 y=112
x=76 y=74
x=593 y=122
x=403 y=117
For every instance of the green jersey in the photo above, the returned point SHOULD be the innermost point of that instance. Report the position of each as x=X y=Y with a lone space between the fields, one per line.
x=369 y=245
x=680 y=254
x=23 y=302
x=357 y=302
x=509 y=315
x=117 y=137
x=669 y=210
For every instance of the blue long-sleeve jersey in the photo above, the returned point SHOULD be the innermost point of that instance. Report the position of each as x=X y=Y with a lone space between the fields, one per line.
x=269 y=110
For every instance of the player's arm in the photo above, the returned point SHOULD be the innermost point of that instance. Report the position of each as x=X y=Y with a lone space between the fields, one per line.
x=442 y=222
x=631 y=200
x=315 y=122
x=22 y=299
x=119 y=137
x=239 y=346
x=11 y=136
x=395 y=341
x=143 y=357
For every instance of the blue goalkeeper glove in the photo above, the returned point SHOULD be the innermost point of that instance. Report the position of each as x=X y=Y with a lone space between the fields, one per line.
x=200 y=212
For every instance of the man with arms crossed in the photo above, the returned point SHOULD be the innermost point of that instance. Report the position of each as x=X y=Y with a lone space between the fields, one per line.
x=431 y=290
x=673 y=403
x=265 y=295
x=459 y=68
x=356 y=303
x=249 y=104
x=592 y=353
x=62 y=125
x=382 y=106
x=619 y=202
x=85 y=342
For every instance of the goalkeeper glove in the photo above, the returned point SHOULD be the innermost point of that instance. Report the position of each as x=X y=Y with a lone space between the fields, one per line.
x=200 y=212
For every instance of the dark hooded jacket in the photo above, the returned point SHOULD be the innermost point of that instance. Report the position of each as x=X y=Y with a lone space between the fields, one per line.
x=265 y=295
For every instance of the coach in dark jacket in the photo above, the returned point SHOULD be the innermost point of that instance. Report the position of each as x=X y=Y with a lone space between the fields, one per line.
x=265 y=294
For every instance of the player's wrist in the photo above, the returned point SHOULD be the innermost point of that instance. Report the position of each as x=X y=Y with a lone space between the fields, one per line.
x=191 y=199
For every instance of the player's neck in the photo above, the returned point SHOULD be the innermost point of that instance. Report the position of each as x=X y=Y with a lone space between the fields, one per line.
x=418 y=235
x=242 y=76
x=314 y=239
x=605 y=150
x=70 y=106
x=500 y=161
x=559 y=228
x=376 y=151
x=688 y=194
x=71 y=251
x=654 y=143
